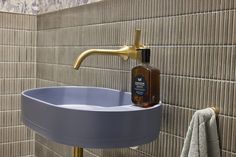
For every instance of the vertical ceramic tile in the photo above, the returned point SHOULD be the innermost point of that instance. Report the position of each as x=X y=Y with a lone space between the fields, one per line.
x=233 y=27
x=17 y=74
x=233 y=99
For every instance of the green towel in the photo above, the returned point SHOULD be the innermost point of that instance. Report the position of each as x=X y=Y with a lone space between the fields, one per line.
x=202 y=136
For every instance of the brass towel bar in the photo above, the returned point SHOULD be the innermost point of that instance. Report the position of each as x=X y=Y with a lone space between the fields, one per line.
x=216 y=110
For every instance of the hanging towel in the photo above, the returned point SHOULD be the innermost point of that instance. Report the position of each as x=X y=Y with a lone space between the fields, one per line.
x=202 y=136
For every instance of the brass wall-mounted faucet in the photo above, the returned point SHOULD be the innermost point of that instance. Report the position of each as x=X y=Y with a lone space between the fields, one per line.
x=125 y=52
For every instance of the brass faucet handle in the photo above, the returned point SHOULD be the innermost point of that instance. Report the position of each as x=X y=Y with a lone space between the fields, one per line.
x=137 y=38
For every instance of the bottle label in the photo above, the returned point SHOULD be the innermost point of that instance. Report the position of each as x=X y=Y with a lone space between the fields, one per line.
x=139 y=85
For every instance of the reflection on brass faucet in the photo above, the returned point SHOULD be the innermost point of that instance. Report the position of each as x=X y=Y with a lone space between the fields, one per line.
x=125 y=52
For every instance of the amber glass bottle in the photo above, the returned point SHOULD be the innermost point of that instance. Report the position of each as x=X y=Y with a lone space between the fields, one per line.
x=145 y=82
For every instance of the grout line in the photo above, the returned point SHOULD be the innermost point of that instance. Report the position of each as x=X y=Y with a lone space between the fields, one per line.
x=86 y=67
x=15 y=13
x=17 y=29
x=1 y=79
x=141 y=152
x=231 y=152
x=90 y=152
x=192 y=109
x=14 y=45
x=149 y=46
x=42 y=144
x=17 y=62
x=16 y=78
x=105 y=69
x=176 y=136
x=10 y=127
x=183 y=138
x=198 y=78
x=46 y=80
x=14 y=94
x=15 y=142
x=4 y=111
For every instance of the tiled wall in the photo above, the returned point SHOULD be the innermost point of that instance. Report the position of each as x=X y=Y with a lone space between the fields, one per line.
x=17 y=73
x=193 y=43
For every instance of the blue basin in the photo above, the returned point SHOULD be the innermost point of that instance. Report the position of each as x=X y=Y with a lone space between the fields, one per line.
x=89 y=117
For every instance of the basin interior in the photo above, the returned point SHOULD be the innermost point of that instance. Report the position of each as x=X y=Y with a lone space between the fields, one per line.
x=71 y=97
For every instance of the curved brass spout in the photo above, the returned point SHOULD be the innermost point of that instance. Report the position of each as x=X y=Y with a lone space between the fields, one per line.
x=125 y=52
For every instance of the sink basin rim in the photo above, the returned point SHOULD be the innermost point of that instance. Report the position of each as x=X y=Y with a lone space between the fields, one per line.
x=41 y=112
x=134 y=108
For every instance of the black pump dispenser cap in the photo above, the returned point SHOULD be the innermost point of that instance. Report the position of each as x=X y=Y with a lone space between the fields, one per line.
x=145 y=55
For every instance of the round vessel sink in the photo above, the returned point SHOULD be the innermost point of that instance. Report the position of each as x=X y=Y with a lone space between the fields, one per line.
x=89 y=117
